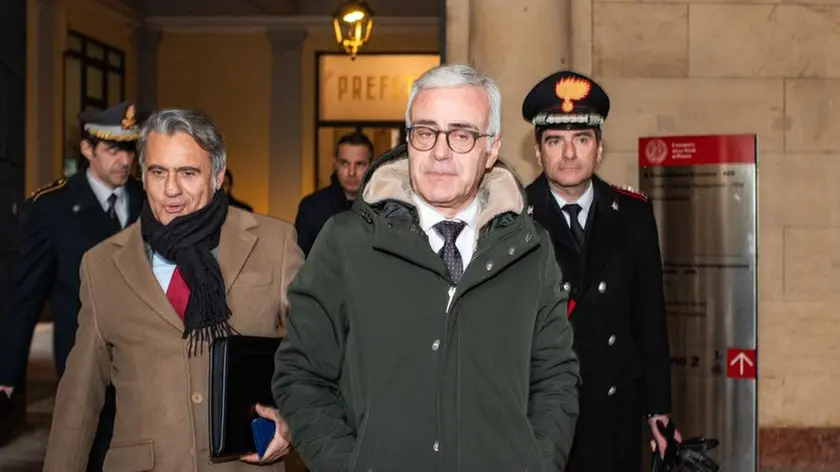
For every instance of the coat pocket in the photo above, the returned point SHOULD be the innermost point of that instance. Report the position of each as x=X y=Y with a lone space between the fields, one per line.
x=133 y=456
x=531 y=458
x=360 y=442
x=253 y=279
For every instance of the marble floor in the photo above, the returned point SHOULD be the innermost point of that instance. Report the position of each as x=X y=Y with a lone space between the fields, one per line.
x=26 y=452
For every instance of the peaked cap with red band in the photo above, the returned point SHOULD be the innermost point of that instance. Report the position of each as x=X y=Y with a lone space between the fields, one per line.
x=568 y=100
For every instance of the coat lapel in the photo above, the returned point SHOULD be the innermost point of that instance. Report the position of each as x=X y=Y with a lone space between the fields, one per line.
x=134 y=265
x=602 y=233
x=236 y=244
x=549 y=214
x=407 y=244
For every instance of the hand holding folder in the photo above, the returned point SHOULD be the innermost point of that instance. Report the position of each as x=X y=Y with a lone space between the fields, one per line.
x=241 y=368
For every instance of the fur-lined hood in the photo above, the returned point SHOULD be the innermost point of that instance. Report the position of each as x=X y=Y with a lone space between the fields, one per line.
x=388 y=178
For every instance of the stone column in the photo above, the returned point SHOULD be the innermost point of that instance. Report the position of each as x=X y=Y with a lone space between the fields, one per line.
x=517 y=44
x=457 y=47
x=146 y=44
x=46 y=149
x=285 y=146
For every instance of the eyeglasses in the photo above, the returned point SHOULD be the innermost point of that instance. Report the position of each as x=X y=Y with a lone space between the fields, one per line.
x=462 y=141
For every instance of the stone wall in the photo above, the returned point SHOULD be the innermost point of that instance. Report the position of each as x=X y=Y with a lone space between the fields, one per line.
x=764 y=67
x=770 y=69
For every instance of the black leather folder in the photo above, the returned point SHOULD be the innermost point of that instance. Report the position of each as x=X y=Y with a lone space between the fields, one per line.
x=241 y=369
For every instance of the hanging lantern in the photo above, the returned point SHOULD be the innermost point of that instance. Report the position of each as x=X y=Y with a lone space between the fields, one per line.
x=353 y=22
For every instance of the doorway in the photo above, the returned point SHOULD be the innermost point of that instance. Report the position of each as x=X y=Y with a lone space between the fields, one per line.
x=384 y=136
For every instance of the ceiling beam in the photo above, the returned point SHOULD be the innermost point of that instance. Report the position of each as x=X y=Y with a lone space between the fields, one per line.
x=262 y=23
x=129 y=10
x=278 y=7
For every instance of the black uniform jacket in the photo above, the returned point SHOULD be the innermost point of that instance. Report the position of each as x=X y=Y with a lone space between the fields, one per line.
x=58 y=224
x=314 y=211
x=617 y=309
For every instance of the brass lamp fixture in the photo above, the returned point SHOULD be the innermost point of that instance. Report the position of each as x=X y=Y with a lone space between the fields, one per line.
x=353 y=23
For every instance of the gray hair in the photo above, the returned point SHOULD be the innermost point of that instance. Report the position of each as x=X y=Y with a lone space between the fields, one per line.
x=196 y=124
x=457 y=75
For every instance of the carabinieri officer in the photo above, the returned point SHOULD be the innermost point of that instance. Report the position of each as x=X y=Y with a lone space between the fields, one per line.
x=606 y=242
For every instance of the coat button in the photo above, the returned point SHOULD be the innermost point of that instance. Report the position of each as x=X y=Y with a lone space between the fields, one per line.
x=436 y=345
x=611 y=391
x=489 y=266
x=512 y=250
x=436 y=446
x=567 y=286
x=611 y=341
x=528 y=238
x=602 y=287
x=197 y=398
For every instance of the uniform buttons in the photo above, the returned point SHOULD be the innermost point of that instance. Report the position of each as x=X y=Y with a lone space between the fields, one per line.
x=489 y=266
x=436 y=345
x=567 y=286
x=611 y=341
x=528 y=238
x=602 y=287
x=512 y=250
x=611 y=391
x=197 y=398
x=436 y=446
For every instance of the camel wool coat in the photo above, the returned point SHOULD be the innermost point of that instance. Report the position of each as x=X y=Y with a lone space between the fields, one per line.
x=129 y=335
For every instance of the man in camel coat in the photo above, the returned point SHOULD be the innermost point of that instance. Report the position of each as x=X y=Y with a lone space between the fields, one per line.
x=155 y=296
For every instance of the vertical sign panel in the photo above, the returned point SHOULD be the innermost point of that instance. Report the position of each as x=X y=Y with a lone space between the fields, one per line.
x=704 y=193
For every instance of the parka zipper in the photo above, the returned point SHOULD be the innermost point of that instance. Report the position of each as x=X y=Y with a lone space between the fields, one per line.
x=451 y=291
x=449 y=303
x=453 y=288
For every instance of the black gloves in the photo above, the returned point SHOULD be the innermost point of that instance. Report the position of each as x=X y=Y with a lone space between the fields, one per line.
x=689 y=455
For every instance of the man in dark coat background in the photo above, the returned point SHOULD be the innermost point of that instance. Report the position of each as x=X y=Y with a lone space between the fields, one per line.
x=353 y=154
x=606 y=243
x=60 y=223
x=227 y=186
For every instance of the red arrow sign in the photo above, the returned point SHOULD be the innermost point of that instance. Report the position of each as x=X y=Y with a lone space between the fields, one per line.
x=740 y=363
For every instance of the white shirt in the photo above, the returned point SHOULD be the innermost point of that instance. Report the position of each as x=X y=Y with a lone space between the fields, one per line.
x=466 y=240
x=163 y=270
x=102 y=193
x=585 y=203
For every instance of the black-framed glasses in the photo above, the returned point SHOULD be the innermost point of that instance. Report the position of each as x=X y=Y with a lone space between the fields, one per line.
x=462 y=141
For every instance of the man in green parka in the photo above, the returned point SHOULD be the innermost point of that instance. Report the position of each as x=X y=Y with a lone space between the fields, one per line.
x=427 y=329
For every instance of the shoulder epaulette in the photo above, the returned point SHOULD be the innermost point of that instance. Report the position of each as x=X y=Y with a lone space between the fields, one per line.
x=48 y=188
x=628 y=190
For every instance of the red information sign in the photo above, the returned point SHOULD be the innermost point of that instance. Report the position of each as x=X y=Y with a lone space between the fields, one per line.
x=740 y=363
x=697 y=150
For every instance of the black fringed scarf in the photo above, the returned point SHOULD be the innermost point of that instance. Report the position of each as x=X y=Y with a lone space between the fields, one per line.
x=188 y=241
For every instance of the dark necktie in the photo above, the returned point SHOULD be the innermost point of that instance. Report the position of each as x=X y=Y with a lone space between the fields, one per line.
x=573 y=210
x=450 y=230
x=112 y=210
